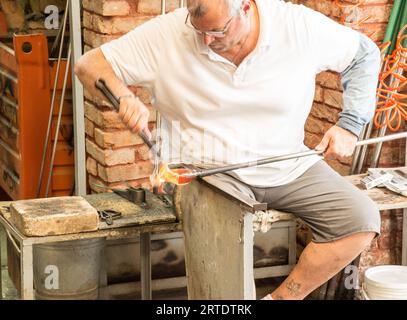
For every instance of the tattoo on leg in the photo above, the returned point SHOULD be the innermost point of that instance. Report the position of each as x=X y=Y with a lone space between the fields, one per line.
x=293 y=287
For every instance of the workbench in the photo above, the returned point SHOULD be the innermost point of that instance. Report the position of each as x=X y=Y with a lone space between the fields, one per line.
x=135 y=221
x=218 y=228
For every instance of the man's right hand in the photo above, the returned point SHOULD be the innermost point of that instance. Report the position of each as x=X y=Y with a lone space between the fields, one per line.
x=134 y=114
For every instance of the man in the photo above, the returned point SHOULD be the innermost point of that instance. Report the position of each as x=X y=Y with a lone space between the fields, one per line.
x=241 y=74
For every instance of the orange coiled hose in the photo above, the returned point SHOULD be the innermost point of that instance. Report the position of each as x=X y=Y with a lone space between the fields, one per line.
x=391 y=107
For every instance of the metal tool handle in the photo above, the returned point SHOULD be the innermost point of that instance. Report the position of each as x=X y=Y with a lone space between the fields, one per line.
x=101 y=85
x=209 y=172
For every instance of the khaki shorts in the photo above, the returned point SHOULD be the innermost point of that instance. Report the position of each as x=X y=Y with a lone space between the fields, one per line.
x=331 y=206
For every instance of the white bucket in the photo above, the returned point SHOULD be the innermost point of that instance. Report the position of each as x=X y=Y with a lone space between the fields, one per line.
x=386 y=283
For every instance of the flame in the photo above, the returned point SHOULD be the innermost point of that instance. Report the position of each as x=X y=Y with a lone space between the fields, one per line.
x=178 y=177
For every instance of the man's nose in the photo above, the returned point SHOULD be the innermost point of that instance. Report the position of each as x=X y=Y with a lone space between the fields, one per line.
x=208 y=39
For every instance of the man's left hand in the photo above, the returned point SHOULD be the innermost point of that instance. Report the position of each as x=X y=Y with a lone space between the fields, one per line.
x=337 y=143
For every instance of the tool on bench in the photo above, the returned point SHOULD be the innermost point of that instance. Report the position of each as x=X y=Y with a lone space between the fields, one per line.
x=137 y=196
x=109 y=215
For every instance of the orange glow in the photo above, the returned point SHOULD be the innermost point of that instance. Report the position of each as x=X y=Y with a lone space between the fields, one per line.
x=176 y=176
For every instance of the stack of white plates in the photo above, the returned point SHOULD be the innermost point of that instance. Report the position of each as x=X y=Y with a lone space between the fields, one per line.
x=386 y=283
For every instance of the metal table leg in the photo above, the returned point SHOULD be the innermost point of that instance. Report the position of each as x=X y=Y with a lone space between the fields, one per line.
x=404 y=241
x=1 y=267
x=27 y=278
x=145 y=260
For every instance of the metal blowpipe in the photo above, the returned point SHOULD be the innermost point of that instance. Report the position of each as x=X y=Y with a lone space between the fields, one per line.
x=208 y=172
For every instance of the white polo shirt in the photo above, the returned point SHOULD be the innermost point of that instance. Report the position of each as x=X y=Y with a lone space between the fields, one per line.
x=216 y=113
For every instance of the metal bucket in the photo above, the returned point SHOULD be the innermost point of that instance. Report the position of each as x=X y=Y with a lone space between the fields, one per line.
x=68 y=270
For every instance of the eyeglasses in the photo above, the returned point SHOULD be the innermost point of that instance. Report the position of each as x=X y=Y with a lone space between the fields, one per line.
x=216 y=34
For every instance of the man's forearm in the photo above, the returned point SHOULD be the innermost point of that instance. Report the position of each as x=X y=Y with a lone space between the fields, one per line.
x=359 y=83
x=93 y=66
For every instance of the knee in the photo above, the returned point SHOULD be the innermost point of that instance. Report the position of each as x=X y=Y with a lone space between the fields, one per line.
x=366 y=238
x=366 y=215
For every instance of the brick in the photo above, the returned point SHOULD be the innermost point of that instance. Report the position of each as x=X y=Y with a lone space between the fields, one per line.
x=143 y=153
x=374 y=14
x=97 y=185
x=333 y=98
x=325 y=113
x=104 y=119
x=110 y=157
x=139 y=170
x=14 y=14
x=319 y=94
x=89 y=128
x=107 y=8
x=92 y=166
x=316 y=126
x=325 y=7
x=312 y=140
x=110 y=119
x=153 y=7
x=112 y=25
x=329 y=80
x=54 y=216
x=95 y=40
x=117 y=139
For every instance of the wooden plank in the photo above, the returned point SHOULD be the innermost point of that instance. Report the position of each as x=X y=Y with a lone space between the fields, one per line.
x=218 y=245
x=384 y=198
x=250 y=204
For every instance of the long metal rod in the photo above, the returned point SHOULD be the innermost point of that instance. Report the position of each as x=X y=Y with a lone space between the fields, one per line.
x=54 y=149
x=163 y=6
x=44 y=153
x=78 y=99
x=145 y=266
x=209 y=172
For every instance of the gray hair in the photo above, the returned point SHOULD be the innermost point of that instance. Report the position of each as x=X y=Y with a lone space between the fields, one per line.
x=198 y=8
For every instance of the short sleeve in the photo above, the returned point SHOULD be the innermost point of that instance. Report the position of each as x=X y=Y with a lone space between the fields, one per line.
x=134 y=57
x=332 y=46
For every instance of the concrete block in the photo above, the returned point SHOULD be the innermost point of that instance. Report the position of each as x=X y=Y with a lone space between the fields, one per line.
x=54 y=216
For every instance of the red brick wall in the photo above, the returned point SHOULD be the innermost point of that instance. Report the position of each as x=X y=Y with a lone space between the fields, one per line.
x=114 y=155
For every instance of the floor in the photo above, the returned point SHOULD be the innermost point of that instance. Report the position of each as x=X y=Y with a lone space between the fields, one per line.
x=263 y=288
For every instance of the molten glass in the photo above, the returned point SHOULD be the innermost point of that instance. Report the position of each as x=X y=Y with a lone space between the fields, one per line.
x=179 y=177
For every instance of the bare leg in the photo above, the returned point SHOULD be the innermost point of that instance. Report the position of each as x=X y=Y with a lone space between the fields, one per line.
x=318 y=263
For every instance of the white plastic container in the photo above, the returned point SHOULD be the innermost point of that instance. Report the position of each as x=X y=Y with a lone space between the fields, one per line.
x=386 y=283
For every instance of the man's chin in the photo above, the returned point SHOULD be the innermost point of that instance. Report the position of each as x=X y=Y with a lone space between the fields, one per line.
x=219 y=48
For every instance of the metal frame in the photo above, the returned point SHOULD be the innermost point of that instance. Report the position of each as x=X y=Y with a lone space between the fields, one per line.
x=78 y=99
x=25 y=246
x=404 y=227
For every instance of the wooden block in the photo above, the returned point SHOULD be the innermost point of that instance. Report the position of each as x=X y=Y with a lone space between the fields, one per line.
x=54 y=216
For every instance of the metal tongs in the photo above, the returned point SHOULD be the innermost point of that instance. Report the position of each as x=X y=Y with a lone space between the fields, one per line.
x=101 y=85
